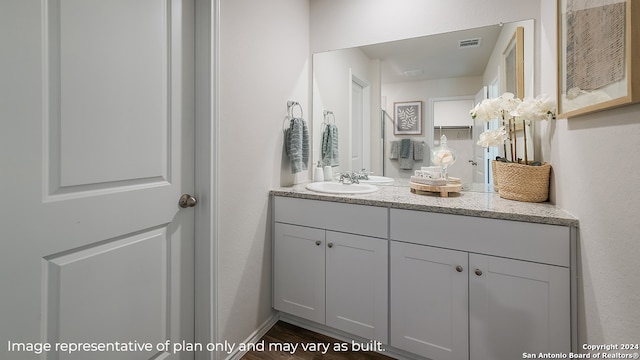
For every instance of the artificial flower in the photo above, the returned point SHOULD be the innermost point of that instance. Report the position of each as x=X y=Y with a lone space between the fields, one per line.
x=508 y=109
x=493 y=138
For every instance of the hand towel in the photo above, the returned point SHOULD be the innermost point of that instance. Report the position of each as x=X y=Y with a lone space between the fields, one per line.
x=394 y=152
x=297 y=144
x=329 y=149
x=418 y=150
x=405 y=148
x=406 y=163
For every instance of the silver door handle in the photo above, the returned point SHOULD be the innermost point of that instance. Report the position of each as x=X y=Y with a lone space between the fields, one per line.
x=187 y=201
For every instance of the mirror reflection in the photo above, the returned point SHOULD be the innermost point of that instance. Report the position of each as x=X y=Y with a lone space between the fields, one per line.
x=390 y=103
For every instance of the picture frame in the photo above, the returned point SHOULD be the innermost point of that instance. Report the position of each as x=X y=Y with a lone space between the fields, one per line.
x=598 y=55
x=513 y=64
x=407 y=118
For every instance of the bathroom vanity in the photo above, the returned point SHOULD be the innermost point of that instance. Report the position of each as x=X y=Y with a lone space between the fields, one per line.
x=469 y=277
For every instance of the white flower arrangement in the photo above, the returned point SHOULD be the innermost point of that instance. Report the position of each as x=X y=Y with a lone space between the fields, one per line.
x=493 y=138
x=510 y=109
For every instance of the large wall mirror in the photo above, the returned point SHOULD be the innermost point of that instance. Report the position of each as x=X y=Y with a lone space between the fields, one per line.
x=375 y=95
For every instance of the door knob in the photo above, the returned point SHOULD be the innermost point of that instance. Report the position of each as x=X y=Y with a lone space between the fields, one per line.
x=459 y=268
x=330 y=245
x=187 y=201
x=478 y=272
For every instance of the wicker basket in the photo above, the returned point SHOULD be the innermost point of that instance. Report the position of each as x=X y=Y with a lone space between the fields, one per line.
x=523 y=182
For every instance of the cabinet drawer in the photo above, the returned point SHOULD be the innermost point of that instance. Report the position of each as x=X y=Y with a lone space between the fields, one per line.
x=349 y=218
x=549 y=244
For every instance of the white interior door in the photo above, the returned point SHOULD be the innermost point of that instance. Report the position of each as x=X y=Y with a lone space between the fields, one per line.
x=481 y=161
x=360 y=124
x=97 y=133
x=356 y=126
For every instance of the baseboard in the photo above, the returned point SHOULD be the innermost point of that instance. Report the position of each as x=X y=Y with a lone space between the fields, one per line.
x=346 y=337
x=255 y=336
x=319 y=328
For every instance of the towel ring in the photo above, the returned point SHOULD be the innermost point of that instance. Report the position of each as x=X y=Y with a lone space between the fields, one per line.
x=290 y=108
x=326 y=114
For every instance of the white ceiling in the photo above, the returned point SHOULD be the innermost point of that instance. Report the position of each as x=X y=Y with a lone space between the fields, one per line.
x=436 y=56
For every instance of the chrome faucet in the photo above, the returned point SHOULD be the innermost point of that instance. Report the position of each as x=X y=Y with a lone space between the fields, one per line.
x=350 y=176
x=354 y=177
x=363 y=174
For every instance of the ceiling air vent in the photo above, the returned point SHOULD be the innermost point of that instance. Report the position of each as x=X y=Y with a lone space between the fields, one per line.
x=469 y=43
x=410 y=73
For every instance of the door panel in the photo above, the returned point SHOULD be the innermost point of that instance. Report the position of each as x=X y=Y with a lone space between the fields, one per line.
x=108 y=72
x=125 y=292
x=97 y=147
x=299 y=271
x=429 y=301
x=504 y=295
x=356 y=295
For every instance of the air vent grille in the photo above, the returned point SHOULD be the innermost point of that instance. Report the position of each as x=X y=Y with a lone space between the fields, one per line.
x=469 y=43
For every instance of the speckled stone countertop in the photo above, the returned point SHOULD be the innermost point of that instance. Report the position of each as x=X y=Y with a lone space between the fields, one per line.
x=479 y=204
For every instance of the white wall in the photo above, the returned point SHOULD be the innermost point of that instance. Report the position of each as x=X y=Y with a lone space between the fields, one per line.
x=264 y=61
x=595 y=176
x=595 y=171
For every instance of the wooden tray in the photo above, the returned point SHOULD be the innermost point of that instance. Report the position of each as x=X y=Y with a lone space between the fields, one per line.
x=443 y=190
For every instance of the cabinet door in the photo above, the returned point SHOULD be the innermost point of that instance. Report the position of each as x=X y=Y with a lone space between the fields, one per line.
x=357 y=268
x=516 y=307
x=299 y=271
x=429 y=301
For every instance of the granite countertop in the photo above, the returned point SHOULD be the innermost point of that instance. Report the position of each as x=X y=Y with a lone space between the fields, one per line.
x=479 y=204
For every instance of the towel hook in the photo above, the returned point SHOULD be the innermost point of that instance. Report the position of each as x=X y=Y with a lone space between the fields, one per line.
x=290 y=108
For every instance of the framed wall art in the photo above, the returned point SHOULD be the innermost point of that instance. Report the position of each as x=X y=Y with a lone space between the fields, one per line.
x=407 y=118
x=513 y=64
x=598 y=55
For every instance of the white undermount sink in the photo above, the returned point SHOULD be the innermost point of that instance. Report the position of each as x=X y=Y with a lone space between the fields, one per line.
x=377 y=179
x=339 y=188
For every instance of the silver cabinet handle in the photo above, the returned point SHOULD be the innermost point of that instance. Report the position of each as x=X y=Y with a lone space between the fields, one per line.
x=478 y=272
x=459 y=268
x=318 y=242
x=330 y=245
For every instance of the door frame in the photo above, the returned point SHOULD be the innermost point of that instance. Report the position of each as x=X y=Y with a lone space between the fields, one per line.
x=207 y=175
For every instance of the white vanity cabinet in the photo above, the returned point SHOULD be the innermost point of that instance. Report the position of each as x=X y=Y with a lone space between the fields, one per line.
x=330 y=264
x=475 y=288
